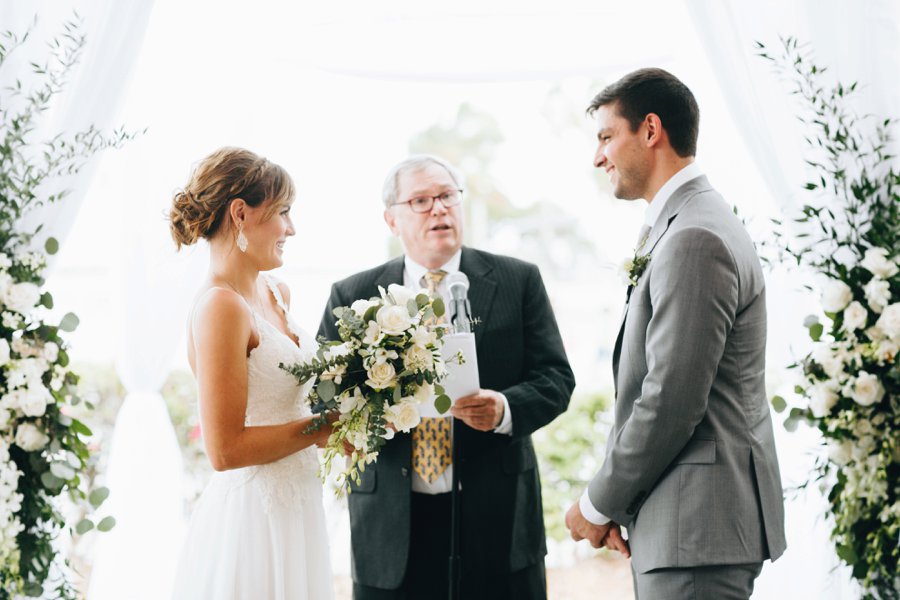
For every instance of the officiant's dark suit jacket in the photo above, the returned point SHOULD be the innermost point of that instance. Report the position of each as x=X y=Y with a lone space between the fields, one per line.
x=520 y=353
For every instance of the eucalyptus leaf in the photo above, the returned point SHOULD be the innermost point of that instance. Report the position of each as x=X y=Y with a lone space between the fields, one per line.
x=51 y=245
x=51 y=481
x=69 y=322
x=412 y=307
x=815 y=332
x=98 y=496
x=33 y=589
x=84 y=526
x=46 y=300
x=326 y=390
x=438 y=307
x=442 y=403
x=62 y=470
x=106 y=524
x=778 y=404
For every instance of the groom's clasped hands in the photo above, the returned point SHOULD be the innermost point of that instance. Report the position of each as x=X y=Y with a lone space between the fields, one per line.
x=609 y=535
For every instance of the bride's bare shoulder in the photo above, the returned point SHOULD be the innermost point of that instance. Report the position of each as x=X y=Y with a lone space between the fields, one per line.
x=217 y=305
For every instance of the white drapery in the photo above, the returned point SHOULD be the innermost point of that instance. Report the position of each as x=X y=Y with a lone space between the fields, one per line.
x=856 y=42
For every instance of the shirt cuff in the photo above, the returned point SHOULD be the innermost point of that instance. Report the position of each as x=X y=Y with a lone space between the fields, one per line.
x=590 y=513
x=505 y=426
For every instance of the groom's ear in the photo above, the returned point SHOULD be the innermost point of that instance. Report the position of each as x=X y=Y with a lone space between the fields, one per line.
x=653 y=132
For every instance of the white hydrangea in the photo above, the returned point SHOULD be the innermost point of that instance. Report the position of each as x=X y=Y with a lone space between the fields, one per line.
x=876 y=261
x=10 y=504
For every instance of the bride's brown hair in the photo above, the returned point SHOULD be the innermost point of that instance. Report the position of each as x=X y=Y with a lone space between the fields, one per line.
x=199 y=209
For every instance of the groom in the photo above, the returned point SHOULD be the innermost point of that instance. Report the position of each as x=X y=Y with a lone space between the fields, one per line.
x=400 y=511
x=690 y=465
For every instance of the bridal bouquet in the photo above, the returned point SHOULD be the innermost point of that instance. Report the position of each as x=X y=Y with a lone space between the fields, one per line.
x=386 y=364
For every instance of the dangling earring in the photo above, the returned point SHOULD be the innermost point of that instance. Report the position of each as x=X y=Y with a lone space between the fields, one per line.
x=241 y=238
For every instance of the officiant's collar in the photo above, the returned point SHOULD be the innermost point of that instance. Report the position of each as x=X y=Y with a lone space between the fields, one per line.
x=655 y=208
x=417 y=271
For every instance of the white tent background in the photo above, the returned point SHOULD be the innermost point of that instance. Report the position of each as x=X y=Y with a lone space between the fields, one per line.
x=334 y=93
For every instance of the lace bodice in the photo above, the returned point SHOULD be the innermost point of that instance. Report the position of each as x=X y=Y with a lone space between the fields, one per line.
x=275 y=397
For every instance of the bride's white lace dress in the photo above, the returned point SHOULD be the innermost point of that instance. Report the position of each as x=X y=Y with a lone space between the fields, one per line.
x=259 y=532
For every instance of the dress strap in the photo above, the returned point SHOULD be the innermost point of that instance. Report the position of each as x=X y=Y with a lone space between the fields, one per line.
x=276 y=292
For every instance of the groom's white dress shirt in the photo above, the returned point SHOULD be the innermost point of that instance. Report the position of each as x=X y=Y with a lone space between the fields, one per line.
x=413 y=276
x=654 y=209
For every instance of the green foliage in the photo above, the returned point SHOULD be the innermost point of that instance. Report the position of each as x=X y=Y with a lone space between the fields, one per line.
x=56 y=462
x=851 y=381
x=570 y=451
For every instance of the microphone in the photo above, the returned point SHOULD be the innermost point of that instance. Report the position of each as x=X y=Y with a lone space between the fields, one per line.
x=460 y=310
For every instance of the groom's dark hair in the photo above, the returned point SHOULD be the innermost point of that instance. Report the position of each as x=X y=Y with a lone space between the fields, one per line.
x=655 y=91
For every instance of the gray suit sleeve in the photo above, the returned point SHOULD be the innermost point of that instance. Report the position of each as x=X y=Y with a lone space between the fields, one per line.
x=693 y=289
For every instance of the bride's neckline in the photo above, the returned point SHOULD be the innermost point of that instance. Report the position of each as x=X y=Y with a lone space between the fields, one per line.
x=276 y=294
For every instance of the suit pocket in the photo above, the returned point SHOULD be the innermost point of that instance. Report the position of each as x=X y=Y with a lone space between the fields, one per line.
x=367 y=481
x=519 y=457
x=698 y=452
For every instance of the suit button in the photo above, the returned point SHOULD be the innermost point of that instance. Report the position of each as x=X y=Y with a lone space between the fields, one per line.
x=404 y=471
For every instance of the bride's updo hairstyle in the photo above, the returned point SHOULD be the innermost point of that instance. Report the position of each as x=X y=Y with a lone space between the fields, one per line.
x=199 y=210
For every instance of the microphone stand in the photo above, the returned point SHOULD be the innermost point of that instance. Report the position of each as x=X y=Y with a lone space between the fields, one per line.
x=461 y=324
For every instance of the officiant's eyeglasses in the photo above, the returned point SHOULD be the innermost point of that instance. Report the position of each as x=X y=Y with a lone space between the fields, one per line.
x=424 y=204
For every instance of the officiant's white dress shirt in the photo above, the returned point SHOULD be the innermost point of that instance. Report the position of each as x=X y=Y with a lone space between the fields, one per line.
x=654 y=209
x=413 y=273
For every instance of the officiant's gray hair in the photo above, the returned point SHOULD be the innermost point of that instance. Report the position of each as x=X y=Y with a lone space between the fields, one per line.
x=417 y=162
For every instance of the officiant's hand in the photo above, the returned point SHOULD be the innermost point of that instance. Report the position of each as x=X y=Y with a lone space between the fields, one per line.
x=609 y=535
x=482 y=410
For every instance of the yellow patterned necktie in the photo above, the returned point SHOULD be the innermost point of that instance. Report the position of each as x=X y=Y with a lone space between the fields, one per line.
x=431 y=438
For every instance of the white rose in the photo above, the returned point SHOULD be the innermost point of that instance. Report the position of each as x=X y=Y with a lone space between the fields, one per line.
x=403 y=415
x=824 y=397
x=361 y=306
x=876 y=261
x=34 y=402
x=855 y=316
x=839 y=452
x=830 y=362
x=4 y=352
x=393 y=320
x=381 y=376
x=401 y=294
x=22 y=297
x=29 y=438
x=424 y=393
x=889 y=321
x=418 y=358
x=50 y=352
x=878 y=294
x=836 y=295
x=866 y=389
x=422 y=336
x=373 y=334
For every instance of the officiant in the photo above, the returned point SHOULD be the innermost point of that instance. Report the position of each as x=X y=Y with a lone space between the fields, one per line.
x=400 y=513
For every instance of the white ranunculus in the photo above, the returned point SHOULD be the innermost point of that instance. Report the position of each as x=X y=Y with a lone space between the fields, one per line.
x=34 y=402
x=886 y=351
x=878 y=294
x=840 y=452
x=361 y=306
x=373 y=334
x=403 y=415
x=424 y=393
x=889 y=321
x=418 y=358
x=50 y=352
x=836 y=295
x=401 y=294
x=855 y=316
x=830 y=362
x=876 y=261
x=823 y=398
x=423 y=336
x=22 y=297
x=393 y=320
x=866 y=389
x=29 y=438
x=4 y=352
x=381 y=376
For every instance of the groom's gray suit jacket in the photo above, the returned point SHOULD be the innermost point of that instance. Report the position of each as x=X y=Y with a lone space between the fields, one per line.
x=690 y=464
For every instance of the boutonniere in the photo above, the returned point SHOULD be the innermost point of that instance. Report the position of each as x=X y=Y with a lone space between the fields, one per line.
x=635 y=266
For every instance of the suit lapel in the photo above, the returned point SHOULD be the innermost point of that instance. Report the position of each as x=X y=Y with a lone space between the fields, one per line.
x=392 y=273
x=482 y=287
x=673 y=206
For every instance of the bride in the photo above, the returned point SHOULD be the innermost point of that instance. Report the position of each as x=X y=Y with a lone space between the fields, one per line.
x=258 y=530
